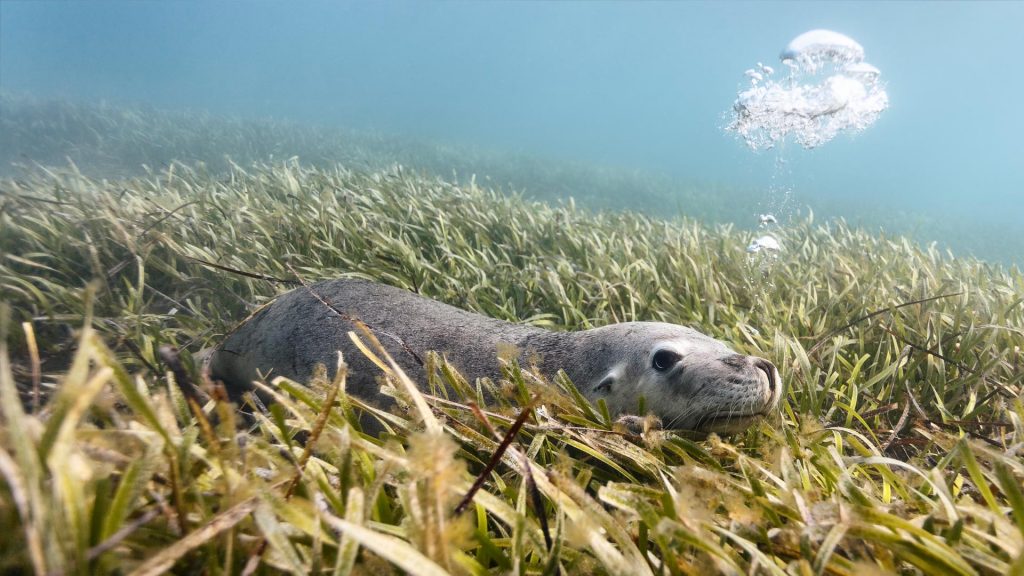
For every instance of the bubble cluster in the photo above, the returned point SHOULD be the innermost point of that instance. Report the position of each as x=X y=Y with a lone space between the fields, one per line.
x=828 y=89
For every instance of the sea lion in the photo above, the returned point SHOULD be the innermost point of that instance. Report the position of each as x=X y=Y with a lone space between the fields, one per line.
x=689 y=380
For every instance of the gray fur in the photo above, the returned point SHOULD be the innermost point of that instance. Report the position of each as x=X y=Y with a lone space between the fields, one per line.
x=712 y=388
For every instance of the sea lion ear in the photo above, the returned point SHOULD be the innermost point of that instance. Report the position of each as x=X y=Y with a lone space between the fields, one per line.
x=609 y=380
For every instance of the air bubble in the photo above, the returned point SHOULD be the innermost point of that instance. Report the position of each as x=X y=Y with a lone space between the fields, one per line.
x=829 y=89
x=764 y=243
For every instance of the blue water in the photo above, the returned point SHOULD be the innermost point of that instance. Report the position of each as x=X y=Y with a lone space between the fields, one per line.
x=637 y=85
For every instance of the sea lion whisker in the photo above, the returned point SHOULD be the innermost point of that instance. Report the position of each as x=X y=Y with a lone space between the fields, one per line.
x=682 y=416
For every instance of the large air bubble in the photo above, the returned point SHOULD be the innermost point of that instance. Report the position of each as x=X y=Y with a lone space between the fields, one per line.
x=827 y=89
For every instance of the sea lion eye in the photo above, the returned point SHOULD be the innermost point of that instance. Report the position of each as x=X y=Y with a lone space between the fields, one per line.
x=665 y=359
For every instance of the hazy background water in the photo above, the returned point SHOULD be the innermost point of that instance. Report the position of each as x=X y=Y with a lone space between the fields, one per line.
x=640 y=85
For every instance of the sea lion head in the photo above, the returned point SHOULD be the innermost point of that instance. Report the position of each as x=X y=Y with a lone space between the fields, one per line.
x=689 y=380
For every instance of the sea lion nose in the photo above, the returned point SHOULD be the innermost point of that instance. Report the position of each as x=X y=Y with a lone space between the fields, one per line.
x=770 y=371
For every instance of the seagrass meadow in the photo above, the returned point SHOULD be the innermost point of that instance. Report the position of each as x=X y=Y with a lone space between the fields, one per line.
x=899 y=447
x=117 y=140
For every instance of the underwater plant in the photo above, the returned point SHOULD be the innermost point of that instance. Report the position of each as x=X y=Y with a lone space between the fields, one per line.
x=898 y=448
x=107 y=141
